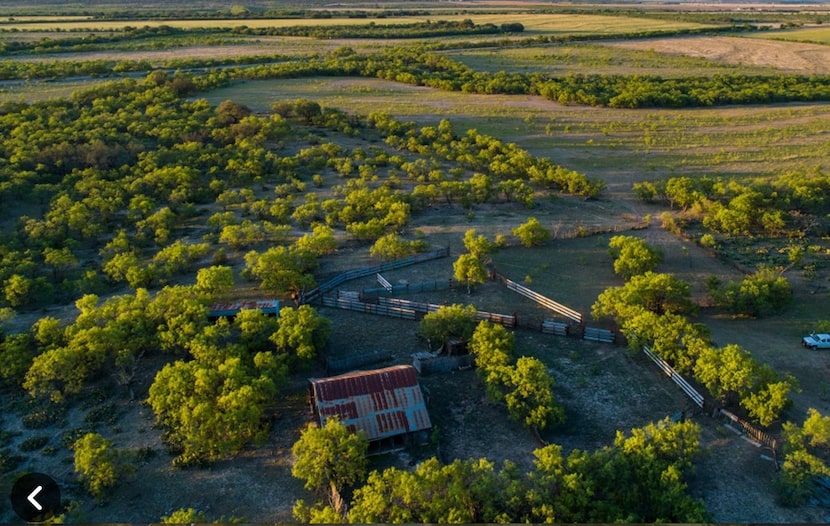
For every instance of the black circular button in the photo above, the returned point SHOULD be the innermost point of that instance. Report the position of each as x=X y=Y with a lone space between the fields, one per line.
x=36 y=497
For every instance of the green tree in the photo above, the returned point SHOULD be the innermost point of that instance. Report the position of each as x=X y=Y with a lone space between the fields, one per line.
x=766 y=404
x=302 y=332
x=658 y=293
x=98 y=464
x=215 y=280
x=17 y=290
x=283 y=270
x=725 y=371
x=329 y=459
x=492 y=345
x=392 y=246
x=532 y=233
x=529 y=396
x=478 y=245
x=211 y=411
x=454 y=321
x=764 y=291
x=804 y=447
x=60 y=259
x=632 y=256
x=307 y=110
x=320 y=242
x=816 y=429
x=17 y=351
x=184 y=516
x=469 y=270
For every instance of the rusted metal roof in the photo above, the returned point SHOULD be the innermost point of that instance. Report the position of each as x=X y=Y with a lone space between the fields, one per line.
x=383 y=402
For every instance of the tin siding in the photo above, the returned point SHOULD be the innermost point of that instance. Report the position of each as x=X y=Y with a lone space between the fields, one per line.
x=383 y=403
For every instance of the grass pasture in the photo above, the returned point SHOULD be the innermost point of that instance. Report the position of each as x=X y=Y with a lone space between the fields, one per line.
x=617 y=145
x=535 y=23
x=814 y=34
x=596 y=59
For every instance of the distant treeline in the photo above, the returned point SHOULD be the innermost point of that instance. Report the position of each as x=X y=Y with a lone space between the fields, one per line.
x=618 y=91
x=153 y=37
x=420 y=67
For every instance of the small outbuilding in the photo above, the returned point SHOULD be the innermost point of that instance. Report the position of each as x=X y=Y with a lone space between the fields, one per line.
x=387 y=404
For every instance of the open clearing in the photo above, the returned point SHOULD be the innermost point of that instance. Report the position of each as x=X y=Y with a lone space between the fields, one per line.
x=620 y=146
x=599 y=58
x=819 y=35
x=793 y=57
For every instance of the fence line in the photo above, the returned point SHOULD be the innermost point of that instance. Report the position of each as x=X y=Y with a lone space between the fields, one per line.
x=384 y=283
x=598 y=335
x=542 y=300
x=422 y=307
x=696 y=397
x=336 y=281
x=753 y=432
x=368 y=308
x=410 y=288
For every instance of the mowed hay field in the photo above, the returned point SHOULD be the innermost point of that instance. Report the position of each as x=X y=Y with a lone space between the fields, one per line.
x=597 y=58
x=791 y=57
x=819 y=35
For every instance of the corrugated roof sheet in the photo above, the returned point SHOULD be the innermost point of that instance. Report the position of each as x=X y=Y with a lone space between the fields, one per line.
x=383 y=402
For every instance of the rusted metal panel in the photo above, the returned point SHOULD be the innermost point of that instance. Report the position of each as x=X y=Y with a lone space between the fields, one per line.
x=383 y=403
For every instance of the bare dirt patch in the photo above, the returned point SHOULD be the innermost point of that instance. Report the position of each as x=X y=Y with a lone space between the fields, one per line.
x=794 y=57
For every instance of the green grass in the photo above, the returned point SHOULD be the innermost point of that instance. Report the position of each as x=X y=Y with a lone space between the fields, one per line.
x=596 y=59
x=819 y=35
x=44 y=90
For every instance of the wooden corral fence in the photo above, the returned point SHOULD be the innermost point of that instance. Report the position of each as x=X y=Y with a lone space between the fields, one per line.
x=555 y=327
x=417 y=306
x=750 y=430
x=681 y=382
x=348 y=303
x=348 y=363
x=336 y=281
x=384 y=283
x=598 y=335
x=542 y=300
x=409 y=288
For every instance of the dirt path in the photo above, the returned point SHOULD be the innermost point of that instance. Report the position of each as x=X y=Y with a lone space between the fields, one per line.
x=794 y=57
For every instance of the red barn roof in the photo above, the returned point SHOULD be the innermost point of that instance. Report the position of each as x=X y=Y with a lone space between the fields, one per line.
x=383 y=403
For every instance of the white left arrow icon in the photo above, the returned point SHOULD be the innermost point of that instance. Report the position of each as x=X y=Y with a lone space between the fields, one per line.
x=31 y=498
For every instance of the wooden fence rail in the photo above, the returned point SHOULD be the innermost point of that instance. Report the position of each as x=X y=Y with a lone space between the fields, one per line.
x=598 y=335
x=696 y=397
x=542 y=300
x=336 y=281
x=368 y=308
x=417 y=306
x=410 y=288
x=753 y=432
x=384 y=283
x=554 y=327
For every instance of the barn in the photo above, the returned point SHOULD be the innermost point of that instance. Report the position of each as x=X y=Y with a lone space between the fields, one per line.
x=387 y=404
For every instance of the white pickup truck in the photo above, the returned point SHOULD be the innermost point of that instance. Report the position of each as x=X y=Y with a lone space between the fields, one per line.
x=816 y=341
